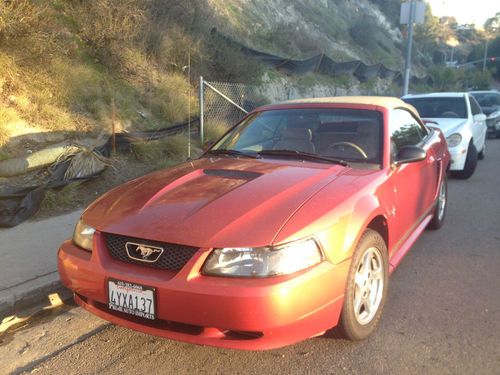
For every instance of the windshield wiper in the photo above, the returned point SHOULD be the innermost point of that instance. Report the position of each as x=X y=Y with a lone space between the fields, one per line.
x=224 y=151
x=303 y=155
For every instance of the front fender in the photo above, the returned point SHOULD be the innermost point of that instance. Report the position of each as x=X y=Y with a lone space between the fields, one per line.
x=339 y=229
x=343 y=236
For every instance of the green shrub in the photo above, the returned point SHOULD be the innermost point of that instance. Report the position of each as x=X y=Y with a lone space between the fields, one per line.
x=364 y=32
x=479 y=80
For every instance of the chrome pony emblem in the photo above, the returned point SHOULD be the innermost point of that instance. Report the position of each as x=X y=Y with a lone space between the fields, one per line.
x=143 y=253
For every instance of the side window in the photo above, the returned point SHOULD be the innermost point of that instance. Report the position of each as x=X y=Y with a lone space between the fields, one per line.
x=474 y=107
x=405 y=130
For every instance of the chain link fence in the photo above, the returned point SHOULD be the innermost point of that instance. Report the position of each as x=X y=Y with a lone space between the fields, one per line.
x=223 y=104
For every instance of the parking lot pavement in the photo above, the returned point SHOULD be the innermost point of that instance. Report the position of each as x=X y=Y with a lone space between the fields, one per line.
x=28 y=261
x=442 y=315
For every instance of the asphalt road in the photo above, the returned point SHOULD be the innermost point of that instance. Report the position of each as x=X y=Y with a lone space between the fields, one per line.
x=442 y=315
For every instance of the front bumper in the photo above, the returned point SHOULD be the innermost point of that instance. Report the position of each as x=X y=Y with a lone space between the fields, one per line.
x=458 y=155
x=493 y=125
x=250 y=314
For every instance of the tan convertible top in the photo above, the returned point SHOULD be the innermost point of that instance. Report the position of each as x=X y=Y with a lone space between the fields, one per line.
x=381 y=101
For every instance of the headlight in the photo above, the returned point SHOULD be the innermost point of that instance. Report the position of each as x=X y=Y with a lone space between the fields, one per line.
x=454 y=140
x=263 y=261
x=83 y=235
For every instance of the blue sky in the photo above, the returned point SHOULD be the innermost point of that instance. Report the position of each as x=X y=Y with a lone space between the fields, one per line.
x=466 y=11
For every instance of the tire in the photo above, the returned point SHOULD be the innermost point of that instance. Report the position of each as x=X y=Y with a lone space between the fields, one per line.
x=482 y=154
x=470 y=164
x=441 y=204
x=365 y=288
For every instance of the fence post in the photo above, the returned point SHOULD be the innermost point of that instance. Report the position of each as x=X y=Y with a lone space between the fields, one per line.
x=201 y=109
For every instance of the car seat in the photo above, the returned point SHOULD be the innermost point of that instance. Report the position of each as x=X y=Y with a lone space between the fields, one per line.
x=295 y=139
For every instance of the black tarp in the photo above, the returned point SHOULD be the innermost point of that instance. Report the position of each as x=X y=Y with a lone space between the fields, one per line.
x=19 y=203
x=321 y=63
x=332 y=68
x=367 y=72
x=300 y=67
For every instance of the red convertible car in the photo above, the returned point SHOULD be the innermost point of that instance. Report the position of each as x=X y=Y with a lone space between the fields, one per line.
x=288 y=226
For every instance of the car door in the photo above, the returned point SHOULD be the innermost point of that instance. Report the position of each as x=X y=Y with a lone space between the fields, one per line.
x=414 y=184
x=479 y=128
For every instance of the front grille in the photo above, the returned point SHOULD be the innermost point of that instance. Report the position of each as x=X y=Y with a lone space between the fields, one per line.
x=173 y=258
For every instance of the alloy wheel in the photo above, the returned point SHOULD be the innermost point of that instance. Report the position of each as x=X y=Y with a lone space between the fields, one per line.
x=369 y=286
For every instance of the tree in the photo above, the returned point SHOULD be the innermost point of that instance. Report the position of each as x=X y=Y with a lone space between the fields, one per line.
x=432 y=34
x=492 y=25
x=477 y=53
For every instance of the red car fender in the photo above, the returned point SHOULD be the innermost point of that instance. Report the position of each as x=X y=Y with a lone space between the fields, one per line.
x=339 y=239
x=366 y=209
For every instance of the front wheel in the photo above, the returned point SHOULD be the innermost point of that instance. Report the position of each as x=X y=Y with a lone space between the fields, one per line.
x=440 y=210
x=366 y=289
x=482 y=154
x=470 y=164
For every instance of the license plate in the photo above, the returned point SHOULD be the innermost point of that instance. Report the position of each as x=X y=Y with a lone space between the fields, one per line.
x=130 y=298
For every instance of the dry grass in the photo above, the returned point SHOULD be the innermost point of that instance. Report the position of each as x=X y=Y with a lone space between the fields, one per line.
x=63 y=197
x=214 y=130
x=62 y=63
x=8 y=117
x=171 y=97
x=17 y=18
x=103 y=22
x=165 y=152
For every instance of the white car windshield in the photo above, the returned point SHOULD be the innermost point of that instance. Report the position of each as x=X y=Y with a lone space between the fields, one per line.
x=434 y=107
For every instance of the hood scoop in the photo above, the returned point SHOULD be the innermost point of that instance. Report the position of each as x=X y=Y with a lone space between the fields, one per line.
x=232 y=174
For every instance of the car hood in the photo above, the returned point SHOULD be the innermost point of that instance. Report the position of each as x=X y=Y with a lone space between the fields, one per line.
x=488 y=110
x=447 y=125
x=212 y=202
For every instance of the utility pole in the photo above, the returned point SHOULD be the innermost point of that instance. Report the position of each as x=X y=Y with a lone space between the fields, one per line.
x=485 y=54
x=409 y=45
x=202 y=99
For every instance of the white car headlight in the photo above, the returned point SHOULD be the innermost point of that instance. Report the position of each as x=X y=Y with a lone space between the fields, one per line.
x=83 y=235
x=454 y=140
x=493 y=115
x=263 y=261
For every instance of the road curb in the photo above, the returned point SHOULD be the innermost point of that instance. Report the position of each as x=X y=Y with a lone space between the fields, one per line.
x=31 y=294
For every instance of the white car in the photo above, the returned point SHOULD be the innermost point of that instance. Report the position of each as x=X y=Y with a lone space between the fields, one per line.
x=489 y=101
x=463 y=123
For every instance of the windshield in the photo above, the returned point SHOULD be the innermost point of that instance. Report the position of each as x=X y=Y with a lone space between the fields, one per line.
x=338 y=134
x=434 y=107
x=487 y=99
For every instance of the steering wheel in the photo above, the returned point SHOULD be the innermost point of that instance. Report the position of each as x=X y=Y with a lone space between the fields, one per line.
x=351 y=145
x=449 y=114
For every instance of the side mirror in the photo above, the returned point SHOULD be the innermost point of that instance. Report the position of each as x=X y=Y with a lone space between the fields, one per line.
x=410 y=154
x=480 y=117
x=207 y=145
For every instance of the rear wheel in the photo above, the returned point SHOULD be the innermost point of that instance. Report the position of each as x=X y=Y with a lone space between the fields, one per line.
x=366 y=289
x=440 y=210
x=470 y=164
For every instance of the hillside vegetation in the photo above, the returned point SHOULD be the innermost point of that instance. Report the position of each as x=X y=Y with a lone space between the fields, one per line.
x=342 y=29
x=73 y=65
x=64 y=63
